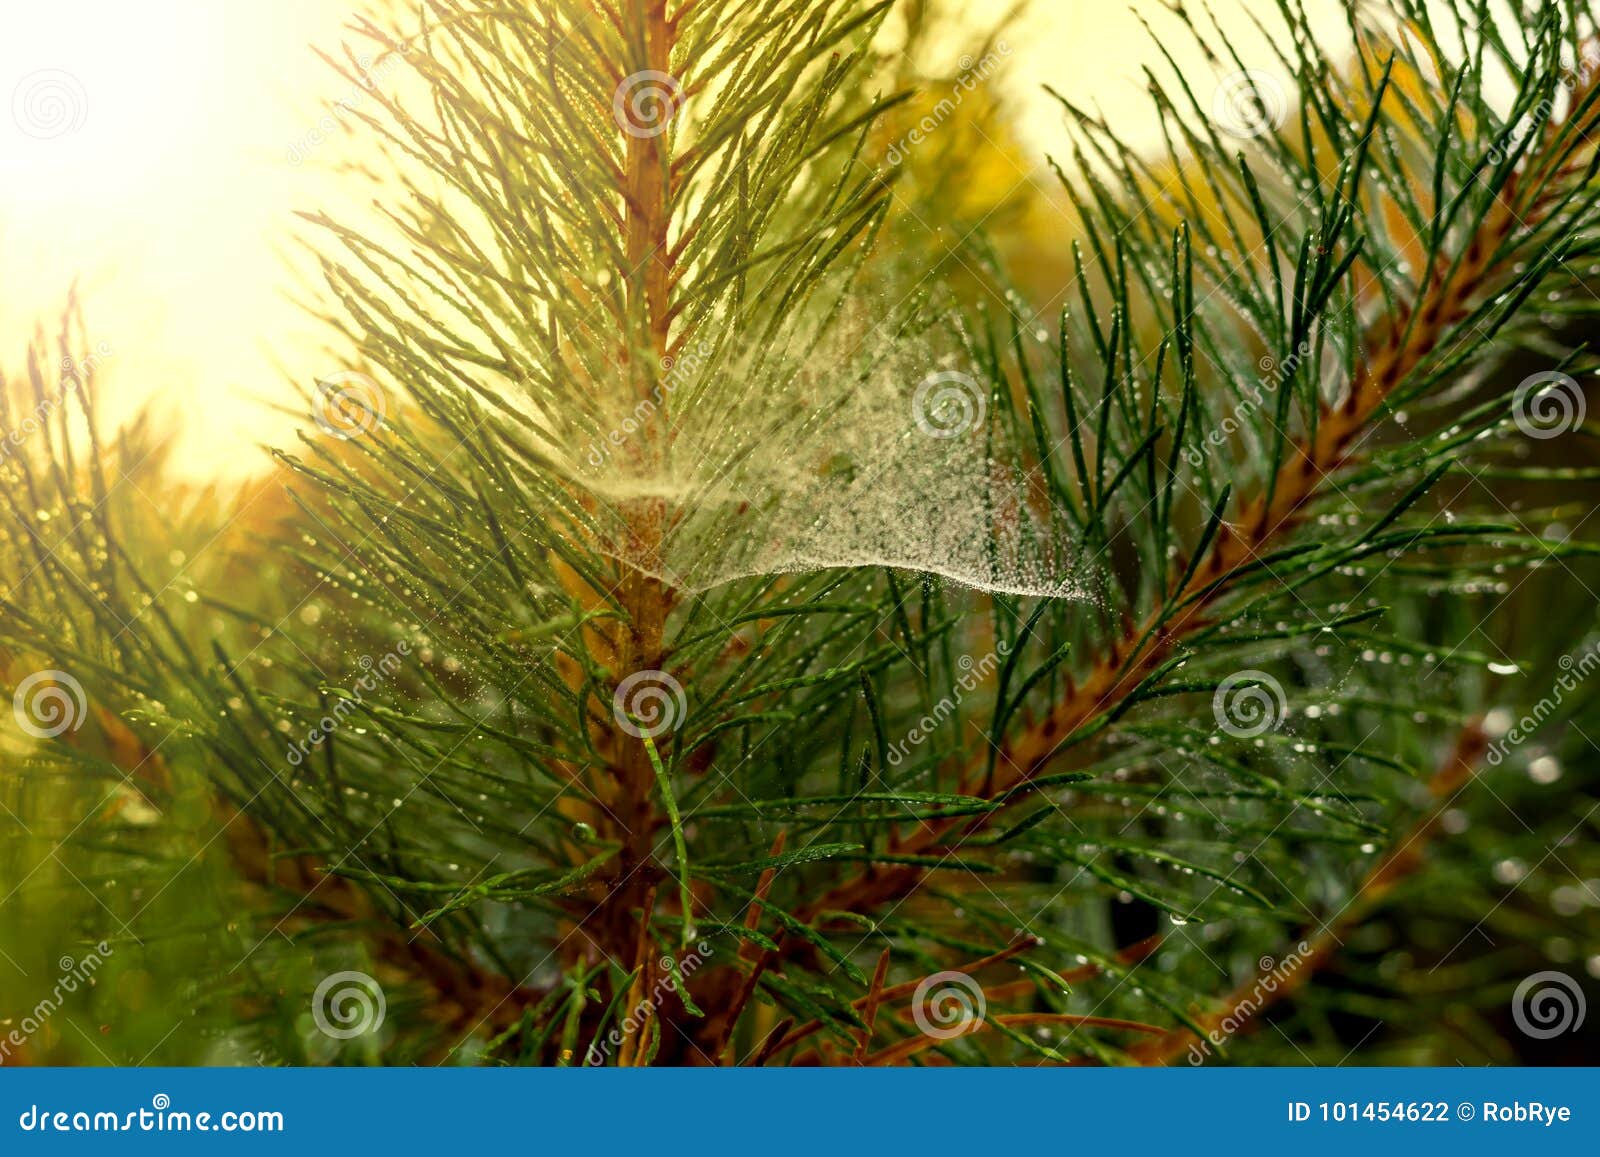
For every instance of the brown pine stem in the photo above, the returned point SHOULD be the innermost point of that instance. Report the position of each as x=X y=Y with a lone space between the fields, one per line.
x=719 y=1027
x=900 y=992
x=869 y=1009
x=779 y=1041
x=911 y=1046
x=638 y=642
x=628 y=1054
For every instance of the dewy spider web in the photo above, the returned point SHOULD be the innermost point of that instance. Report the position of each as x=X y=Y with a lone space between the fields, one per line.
x=889 y=463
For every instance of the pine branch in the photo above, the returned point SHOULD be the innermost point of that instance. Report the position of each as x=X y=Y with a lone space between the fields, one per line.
x=464 y=996
x=878 y=996
x=1396 y=346
x=1398 y=354
x=637 y=643
x=813 y=807
x=1405 y=858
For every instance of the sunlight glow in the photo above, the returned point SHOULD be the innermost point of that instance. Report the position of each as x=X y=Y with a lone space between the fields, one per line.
x=143 y=156
x=155 y=154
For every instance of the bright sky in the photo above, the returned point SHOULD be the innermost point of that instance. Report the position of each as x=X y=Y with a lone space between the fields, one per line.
x=144 y=150
x=148 y=153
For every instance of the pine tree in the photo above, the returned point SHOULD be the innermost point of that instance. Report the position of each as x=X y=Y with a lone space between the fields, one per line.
x=605 y=700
